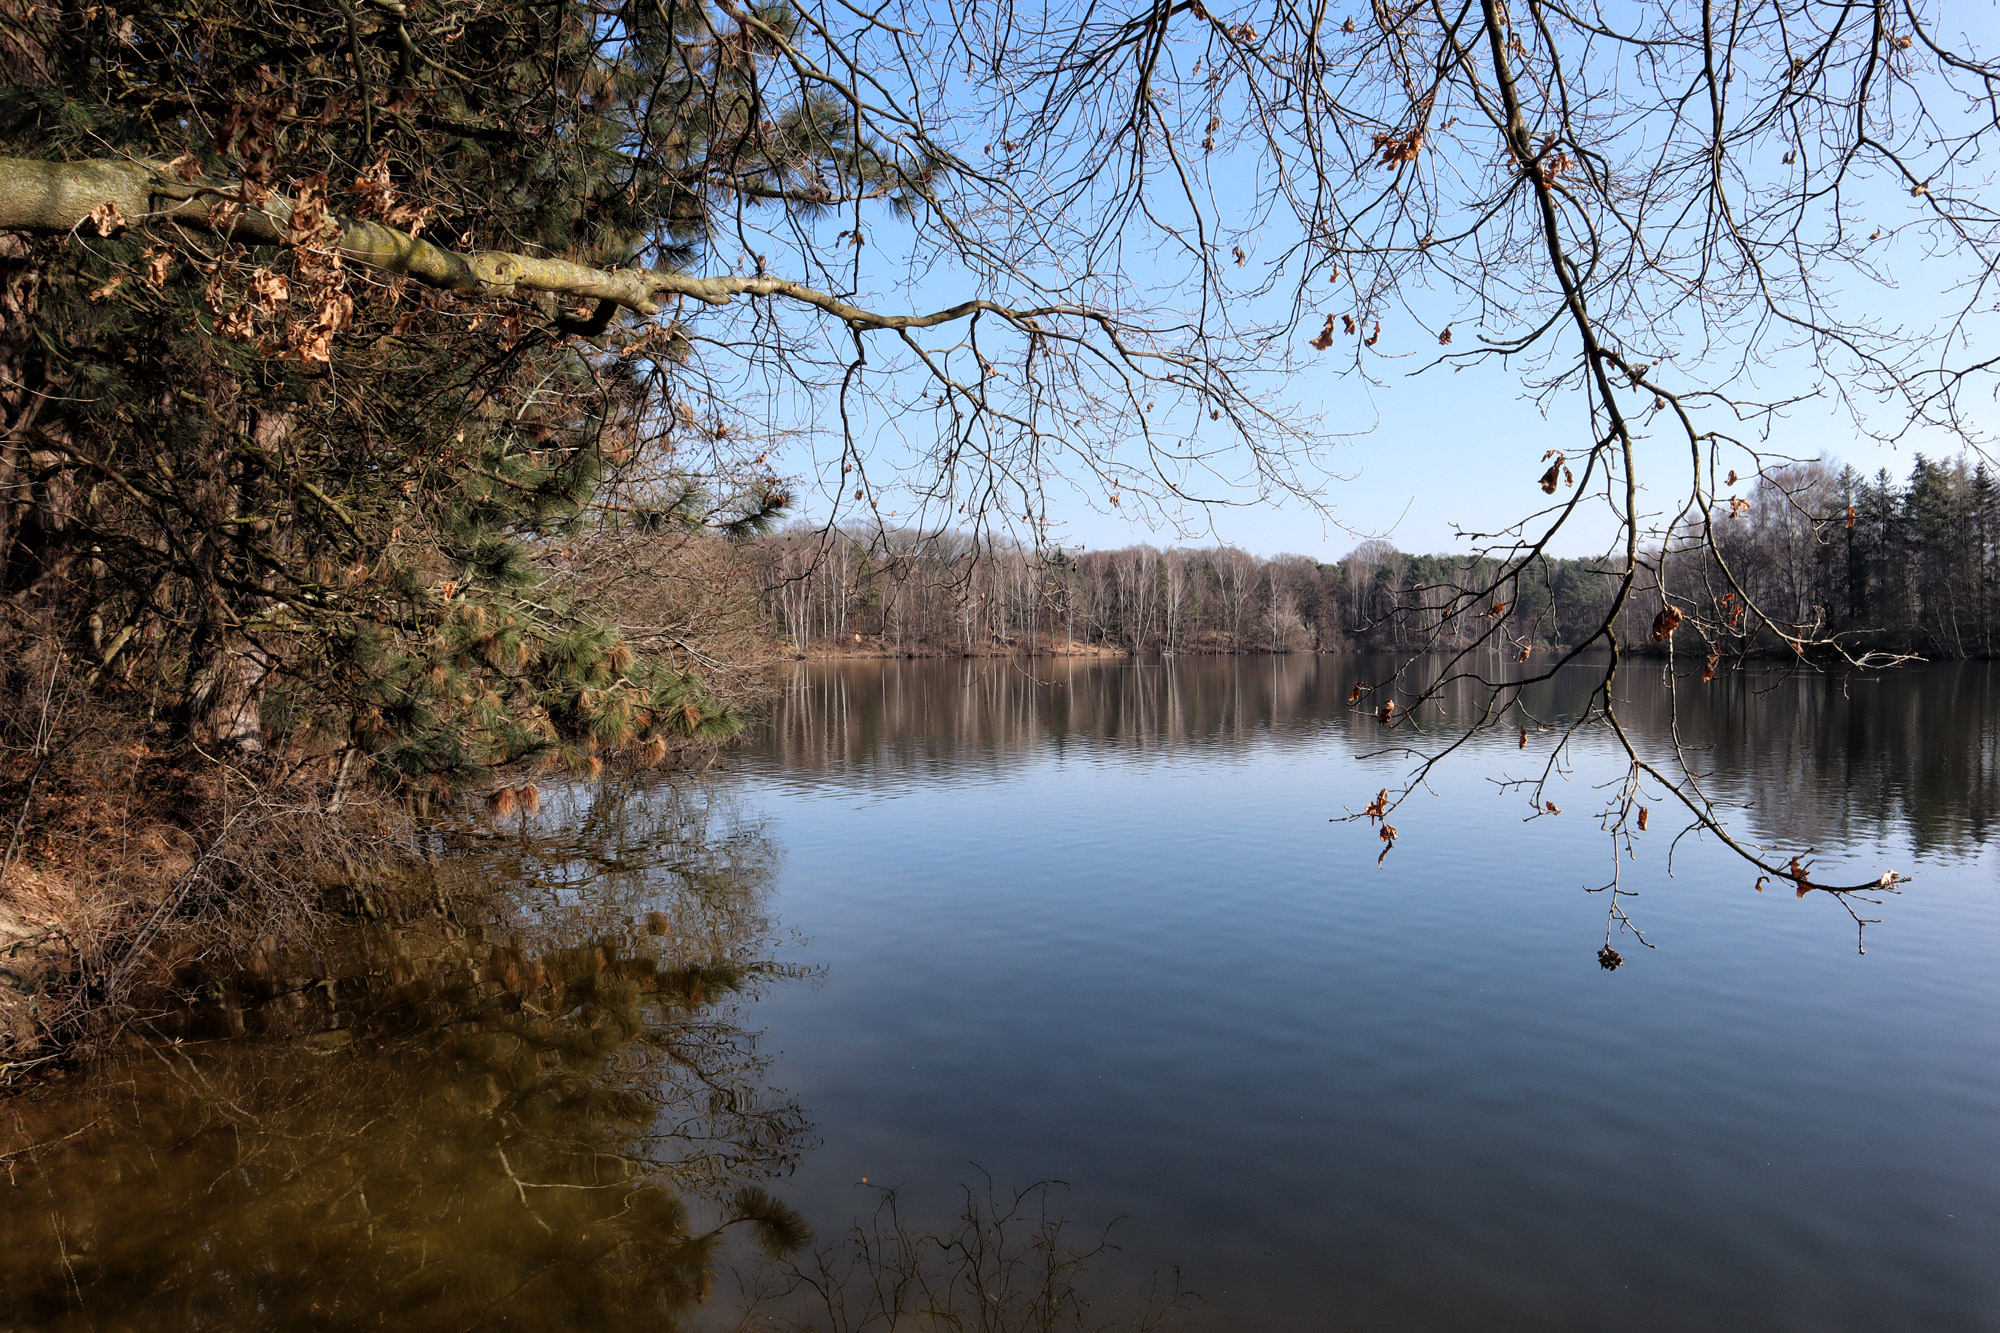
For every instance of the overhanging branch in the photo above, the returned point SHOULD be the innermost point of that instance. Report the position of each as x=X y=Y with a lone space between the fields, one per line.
x=61 y=197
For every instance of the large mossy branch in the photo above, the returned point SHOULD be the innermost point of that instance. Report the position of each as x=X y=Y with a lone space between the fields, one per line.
x=62 y=197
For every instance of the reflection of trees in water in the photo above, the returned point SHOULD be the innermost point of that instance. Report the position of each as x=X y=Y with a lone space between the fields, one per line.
x=551 y=1122
x=943 y=718
x=1827 y=759
x=1820 y=759
x=1009 y=1262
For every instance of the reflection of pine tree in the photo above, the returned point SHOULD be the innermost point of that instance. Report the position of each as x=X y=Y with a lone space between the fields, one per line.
x=561 y=1128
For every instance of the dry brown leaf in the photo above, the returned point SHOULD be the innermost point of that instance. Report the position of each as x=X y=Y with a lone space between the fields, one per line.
x=241 y=323
x=159 y=263
x=1552 y=476
x=1642 y=819
x=1325 y=339
x=1665 y=623
x=267 y=289
x=106 y=218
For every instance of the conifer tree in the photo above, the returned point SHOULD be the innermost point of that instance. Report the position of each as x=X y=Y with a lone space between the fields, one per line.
x=267 y=487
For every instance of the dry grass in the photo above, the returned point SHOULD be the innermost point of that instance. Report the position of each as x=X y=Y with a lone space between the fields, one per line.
x=132 y=859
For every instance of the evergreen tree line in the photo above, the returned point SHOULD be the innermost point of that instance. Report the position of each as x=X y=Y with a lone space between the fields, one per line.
x=1911 y=565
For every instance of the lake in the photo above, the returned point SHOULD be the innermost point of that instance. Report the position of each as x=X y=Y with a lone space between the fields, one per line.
x=950 y=922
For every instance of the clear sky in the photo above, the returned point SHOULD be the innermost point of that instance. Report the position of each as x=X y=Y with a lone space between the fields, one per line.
x=1417 y=458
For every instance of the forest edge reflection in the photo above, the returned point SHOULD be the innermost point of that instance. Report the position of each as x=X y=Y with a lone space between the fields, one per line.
x=1915 y=748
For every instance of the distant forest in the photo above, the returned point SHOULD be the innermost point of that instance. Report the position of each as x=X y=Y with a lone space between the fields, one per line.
x=1913 y=564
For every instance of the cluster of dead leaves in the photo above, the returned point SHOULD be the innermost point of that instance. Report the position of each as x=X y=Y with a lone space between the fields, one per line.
x=1378 y=809
x=1665 y=623
x=319 y=275
x=318 y=281
x=1348 y=325
x=1557 y=473
x=261 y=296
x=1398 y=150
x=249 y=134
x=378 y=199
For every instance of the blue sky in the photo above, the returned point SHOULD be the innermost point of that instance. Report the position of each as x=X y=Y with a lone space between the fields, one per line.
x=1415 y=458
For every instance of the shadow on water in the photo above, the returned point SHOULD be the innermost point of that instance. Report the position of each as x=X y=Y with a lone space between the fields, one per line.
x=552 y=1117
x=1812 y=758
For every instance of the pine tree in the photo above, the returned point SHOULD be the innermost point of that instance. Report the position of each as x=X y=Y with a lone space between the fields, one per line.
x=270 y=491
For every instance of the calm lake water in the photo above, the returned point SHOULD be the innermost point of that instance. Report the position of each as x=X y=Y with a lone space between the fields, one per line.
x=1090 y=922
